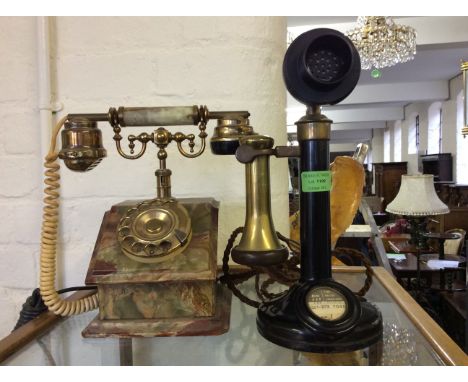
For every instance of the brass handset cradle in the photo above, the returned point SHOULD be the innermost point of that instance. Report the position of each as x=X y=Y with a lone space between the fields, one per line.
x=159 y=229
x=160 y=137
x=149 y=116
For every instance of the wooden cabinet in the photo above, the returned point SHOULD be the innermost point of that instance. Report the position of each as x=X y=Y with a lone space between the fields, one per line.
x=439 y=165
x=455 y=196
x=456 y=218
x=387 y=178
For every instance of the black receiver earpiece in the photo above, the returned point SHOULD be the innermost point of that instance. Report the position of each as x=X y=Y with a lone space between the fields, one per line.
x=321 y=67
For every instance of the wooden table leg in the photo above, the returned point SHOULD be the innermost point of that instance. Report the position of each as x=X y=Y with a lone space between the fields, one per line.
x=126 y=351
x=375 y=354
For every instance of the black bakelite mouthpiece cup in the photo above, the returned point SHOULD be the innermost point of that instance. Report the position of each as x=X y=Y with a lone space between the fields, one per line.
x=321 y=67
x=227 y=147
x=260 y=258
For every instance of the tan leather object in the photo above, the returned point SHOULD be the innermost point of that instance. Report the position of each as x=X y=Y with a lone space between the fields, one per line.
x=345 y=196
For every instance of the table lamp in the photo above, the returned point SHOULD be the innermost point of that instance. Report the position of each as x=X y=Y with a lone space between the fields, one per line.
x=416 y=200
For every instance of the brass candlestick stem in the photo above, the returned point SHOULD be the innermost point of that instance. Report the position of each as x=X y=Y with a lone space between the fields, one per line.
x=464 y=68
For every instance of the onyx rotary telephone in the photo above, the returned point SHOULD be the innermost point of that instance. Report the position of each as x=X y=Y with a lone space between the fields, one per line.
x=155 y=262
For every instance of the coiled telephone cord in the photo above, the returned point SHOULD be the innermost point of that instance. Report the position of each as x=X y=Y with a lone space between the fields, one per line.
x=49 y=239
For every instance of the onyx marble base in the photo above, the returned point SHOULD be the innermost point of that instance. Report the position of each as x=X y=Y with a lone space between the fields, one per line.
x=171 y=327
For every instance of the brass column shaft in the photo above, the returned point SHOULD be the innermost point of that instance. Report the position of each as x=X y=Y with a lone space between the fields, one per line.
x=163 y=179
x=464 y=68
x=258 y=223
x=259 y=244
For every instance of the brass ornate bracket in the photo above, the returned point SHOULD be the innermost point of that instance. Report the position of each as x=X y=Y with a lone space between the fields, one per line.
x=161 y=137
x=246 y=153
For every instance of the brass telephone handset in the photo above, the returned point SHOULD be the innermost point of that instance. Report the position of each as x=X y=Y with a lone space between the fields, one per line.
x=152 y=231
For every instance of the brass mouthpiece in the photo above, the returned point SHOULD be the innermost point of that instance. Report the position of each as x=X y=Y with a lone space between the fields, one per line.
x=227 y=133
x=82 y=148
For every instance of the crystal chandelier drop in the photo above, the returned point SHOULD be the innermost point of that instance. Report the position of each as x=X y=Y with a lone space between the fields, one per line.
x=381 y=43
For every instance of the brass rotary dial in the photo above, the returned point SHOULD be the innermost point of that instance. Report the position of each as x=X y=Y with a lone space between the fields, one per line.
x=155 y=230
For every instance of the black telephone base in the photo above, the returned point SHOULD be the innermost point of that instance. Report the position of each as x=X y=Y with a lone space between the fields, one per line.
x=287 y=322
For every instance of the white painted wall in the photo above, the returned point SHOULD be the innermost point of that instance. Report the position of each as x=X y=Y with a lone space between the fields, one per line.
x=462 y=143
x=20 y=167
x=451 y=132
x=337 y=147
x=386 y=145
x=434 y=128
x=225 y=63
x=377 y=145
x=397 y=141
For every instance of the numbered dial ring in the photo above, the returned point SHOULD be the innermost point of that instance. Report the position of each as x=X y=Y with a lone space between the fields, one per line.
x=154 y=230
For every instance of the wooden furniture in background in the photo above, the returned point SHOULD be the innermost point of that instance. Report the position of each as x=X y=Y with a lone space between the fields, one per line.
x=401 y=246
x=456 y=218
x=455 y=247
x=456 y=198
x=387 y=177
x=454 y=314
x=403 y=237
x=442 y=237
x=439 y=165
x=406 y=269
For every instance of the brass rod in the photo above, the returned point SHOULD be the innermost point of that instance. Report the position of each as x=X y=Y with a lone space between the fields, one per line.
x=163 y=183
x=98 y=117
x=464 y=68
x=158 y=116
x=228 y=114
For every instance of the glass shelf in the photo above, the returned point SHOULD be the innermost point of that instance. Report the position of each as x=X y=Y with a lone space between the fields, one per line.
x=411 y=337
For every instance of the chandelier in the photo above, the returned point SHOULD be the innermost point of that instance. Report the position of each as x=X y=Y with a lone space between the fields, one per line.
x=381 y=43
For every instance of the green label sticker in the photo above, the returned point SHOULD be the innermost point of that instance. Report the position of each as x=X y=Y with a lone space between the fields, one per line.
x=315 y=181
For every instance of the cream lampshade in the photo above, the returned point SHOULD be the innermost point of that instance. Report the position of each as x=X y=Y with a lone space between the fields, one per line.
x=417 y=197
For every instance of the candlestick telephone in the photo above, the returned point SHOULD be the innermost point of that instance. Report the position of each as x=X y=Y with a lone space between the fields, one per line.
x=316 y=314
